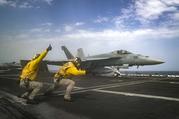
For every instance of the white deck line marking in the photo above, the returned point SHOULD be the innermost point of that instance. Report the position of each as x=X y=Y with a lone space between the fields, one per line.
x=81 y=89
x=99 y=87
x=138 y=95
x=124 y=84
x=170 y=82
x=92 y=87
x=174 y=82
x=124 y=93
x=16 y=99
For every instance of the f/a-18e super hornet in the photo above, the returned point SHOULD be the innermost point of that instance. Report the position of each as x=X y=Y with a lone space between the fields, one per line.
x=112 y=61
x=103 y=63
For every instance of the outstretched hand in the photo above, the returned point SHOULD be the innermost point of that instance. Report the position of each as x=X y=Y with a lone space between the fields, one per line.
x=49 y=47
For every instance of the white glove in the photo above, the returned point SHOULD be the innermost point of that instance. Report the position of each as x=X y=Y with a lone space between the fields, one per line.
x=55 y=80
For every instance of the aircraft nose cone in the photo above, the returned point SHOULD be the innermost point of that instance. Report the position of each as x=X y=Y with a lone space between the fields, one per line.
x=155 y=61
x=159 y=61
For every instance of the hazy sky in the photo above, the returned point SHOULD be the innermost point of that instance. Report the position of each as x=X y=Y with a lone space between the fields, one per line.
x=148 y=27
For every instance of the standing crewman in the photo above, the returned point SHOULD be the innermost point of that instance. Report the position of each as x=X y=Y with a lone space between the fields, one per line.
x=28 y=77
x=64 y=74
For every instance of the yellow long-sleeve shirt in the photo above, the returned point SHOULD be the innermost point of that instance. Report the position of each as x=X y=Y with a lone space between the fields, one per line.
x=68 y=70
x=31 y=69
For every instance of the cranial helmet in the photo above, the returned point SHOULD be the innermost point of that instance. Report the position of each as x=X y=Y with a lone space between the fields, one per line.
x=77 y=61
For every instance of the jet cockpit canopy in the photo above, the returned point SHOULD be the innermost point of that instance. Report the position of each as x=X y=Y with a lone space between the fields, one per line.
x=120 y=52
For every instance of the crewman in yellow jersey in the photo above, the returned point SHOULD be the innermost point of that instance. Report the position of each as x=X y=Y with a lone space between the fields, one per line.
x=64 y=75
x=28 y=77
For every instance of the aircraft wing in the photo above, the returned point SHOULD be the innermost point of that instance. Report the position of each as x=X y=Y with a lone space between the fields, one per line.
x=85 y=64
x=101 y=58
x=60 y=63
x=93 y=62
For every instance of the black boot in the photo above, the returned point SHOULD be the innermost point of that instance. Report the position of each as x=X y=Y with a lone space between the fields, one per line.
x=68 y=100
x=24 y=97
x=31 y=101
x=48 y=93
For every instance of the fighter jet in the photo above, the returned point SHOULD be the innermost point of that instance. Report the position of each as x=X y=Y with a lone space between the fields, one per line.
x=102 y=63
x=112 y=61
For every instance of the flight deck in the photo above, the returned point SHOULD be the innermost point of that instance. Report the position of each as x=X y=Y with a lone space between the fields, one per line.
x=95 y=97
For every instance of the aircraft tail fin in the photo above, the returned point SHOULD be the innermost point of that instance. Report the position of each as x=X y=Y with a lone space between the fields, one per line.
x=80 y=53
x=67 y=52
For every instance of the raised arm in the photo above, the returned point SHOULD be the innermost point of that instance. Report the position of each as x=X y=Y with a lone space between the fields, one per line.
x=43 y=54
x=74 y=71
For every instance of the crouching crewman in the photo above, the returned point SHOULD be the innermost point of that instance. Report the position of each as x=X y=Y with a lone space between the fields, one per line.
x=28 y=77
x=64 y=75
